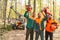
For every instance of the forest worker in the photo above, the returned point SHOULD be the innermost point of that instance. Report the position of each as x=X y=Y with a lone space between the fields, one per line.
x=50 y=27
x=30 y=22
x=39 y=26
x=48 y=23
x=48 y=31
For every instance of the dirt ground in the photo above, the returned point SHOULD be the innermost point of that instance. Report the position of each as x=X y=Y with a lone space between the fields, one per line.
x=20 y=35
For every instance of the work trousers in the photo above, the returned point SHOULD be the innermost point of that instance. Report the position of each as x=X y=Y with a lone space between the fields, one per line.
x=39 y=33
x=29 y=31
x=48 y=34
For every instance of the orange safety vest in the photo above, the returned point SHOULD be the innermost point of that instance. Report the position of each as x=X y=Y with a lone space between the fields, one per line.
x=48 y=25
x=38 y=20
x=53 y=27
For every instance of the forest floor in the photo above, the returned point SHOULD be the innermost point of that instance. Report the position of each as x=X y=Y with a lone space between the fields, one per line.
x=21 y=34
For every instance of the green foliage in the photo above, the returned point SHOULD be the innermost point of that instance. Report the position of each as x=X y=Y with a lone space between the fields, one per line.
x=7 y=28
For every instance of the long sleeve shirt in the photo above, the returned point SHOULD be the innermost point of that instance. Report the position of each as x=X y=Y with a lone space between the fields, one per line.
x=30 y=22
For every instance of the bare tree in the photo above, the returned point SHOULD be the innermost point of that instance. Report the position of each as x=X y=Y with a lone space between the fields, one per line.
x=54 y=4
x=59 y=13
x=1 y=13
x=34 y=6
x=29 y=2
x=10 y=12
x=4 y=11
x=40 y=4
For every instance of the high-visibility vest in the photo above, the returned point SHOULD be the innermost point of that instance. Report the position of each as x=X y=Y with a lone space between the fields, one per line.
x=48 y=24
x=38 y=21
x=53 y=27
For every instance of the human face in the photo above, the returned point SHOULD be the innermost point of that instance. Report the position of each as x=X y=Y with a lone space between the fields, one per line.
x=39 y=15
x=28 y=8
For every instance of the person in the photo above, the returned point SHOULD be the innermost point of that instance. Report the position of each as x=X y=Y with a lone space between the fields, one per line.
x=49 y=23
x=30 y=22
x=50 y=27
x=47 y=30
x=39 y=26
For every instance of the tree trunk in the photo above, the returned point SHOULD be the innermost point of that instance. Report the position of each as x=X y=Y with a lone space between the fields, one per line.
x=34 y=6
x=16 y=5
x=9 y=12
x=59 y=14
x=40 y=5
x=54 y=9
x=29 y=2
x=4 y=11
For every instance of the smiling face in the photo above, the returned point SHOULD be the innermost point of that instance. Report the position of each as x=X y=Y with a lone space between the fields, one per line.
x=28 y=8
x=39 y=15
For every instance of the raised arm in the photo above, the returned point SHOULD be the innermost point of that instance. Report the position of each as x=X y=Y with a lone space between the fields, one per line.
x=26 y=15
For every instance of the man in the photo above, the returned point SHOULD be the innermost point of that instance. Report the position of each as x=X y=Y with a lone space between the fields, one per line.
x=39 y=26
x=48 y=32
x=30 y=22
x=51 y=26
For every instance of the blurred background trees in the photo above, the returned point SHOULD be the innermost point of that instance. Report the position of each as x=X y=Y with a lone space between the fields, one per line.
x=19 y=6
